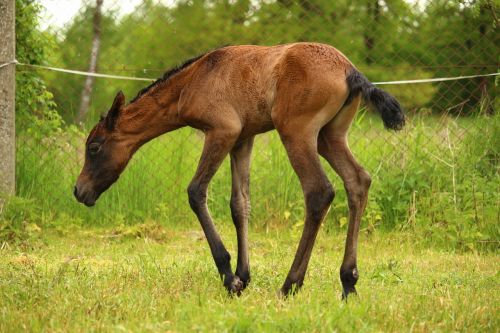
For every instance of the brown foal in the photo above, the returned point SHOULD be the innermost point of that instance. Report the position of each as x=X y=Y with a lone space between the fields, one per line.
x=308 y=92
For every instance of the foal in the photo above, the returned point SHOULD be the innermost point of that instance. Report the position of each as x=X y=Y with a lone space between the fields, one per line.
x=308 y=92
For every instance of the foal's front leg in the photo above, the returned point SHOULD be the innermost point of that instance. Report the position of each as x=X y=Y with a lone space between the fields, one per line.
x=217 y=145
x=240 y=204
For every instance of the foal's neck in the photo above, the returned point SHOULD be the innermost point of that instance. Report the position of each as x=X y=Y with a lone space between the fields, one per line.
x=153 y=113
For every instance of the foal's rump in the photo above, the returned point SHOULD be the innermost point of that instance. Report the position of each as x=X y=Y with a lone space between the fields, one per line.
x=311 y=84
x=317 y=78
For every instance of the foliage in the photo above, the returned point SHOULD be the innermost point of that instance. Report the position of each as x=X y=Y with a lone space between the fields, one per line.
x=468 y=35
x=445 y=190
x=149 y=230
x=35 y=105
x=19 y=222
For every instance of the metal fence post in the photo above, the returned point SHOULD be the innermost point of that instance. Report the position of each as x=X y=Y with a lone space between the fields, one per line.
x=7 y=98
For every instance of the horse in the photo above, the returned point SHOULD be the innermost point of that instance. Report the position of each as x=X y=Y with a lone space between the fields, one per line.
x=308 y=92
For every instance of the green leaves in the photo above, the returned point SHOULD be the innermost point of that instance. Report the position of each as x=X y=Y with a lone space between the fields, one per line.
x=35 y=106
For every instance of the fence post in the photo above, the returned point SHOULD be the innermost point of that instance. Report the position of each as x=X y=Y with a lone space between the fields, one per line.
x=7 y=99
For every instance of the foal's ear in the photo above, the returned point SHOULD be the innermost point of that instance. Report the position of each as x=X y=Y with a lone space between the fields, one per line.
x=114 y=111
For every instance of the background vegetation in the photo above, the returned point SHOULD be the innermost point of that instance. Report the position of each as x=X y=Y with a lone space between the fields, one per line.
x=388 y=40
x=439 y=176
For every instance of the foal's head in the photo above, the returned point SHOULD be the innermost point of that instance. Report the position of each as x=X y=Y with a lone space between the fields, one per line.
x=107 y=152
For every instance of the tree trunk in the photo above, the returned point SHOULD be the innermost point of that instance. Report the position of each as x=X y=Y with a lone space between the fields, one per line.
x=94 y=55
x=7 y=99
x=372 y=29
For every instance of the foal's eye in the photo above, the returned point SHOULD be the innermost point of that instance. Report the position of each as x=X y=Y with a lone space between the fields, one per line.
x=94 y=148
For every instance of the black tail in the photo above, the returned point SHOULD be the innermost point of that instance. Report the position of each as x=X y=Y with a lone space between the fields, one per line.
x=385 y=104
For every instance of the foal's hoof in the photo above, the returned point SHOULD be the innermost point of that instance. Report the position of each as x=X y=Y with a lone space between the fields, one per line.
x=244 y=277
x=349 y=277
x=289 y=289
x=235 y=286
x=348 y=291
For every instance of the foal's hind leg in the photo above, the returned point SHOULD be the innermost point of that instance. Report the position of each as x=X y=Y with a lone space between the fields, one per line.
x=300 y=143
x=217 y=145
x=332 y=145
x=240 y=204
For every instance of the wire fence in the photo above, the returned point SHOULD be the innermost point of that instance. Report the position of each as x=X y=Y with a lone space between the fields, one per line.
x=387 y=40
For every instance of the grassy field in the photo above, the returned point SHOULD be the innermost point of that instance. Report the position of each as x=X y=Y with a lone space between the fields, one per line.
x=147 y=278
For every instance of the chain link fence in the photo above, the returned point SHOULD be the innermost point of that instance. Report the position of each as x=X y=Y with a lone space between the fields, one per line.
x=387 y=40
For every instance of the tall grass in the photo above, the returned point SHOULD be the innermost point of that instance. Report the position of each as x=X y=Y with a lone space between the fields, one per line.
x=440 y=174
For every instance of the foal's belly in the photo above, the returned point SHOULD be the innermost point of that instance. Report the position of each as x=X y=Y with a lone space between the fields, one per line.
x=255 y=121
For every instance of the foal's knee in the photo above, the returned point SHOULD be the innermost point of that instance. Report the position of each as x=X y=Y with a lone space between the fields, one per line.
x=239 y=205
x=197 y=195
x=236 y=206
x=318 y=201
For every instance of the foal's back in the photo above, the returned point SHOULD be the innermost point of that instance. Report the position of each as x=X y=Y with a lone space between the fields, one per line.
x=244 y=83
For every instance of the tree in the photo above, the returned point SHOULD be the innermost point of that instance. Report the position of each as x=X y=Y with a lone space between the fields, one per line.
x=94 y=55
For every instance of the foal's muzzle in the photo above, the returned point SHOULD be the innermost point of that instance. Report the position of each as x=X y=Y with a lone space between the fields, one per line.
x=84 y=195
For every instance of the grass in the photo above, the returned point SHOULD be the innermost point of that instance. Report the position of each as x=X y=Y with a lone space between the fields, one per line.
x=151 y=278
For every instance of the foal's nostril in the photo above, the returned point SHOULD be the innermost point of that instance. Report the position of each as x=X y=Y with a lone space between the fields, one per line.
x=75 y=192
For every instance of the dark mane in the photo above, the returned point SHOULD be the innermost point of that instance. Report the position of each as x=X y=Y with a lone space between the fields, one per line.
x=168 y=74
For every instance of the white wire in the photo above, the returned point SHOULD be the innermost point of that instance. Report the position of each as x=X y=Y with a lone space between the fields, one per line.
x=441 y=79
x=9 y=63
x=72 y=71
x=120 y=77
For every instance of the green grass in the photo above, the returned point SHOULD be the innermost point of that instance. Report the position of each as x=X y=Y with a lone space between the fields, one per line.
x=148 y=278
